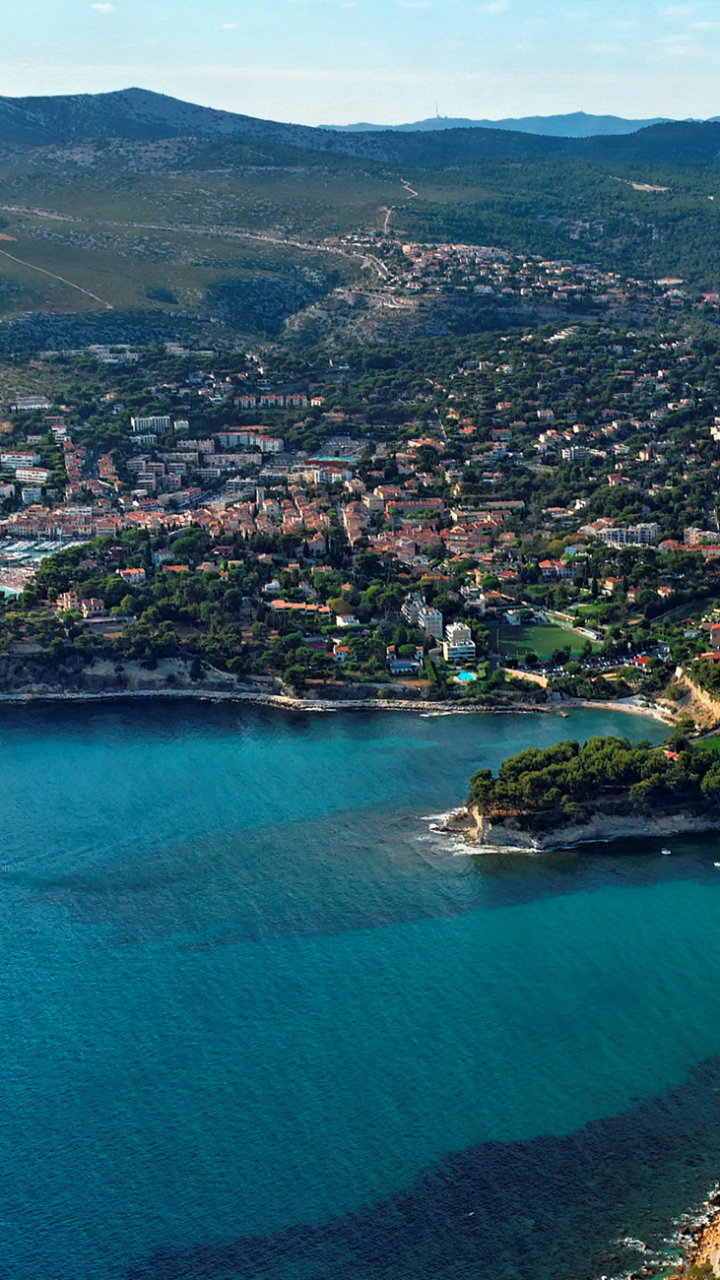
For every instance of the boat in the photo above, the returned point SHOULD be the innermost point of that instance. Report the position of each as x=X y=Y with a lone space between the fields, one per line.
x=716 y=864
x=666 y=852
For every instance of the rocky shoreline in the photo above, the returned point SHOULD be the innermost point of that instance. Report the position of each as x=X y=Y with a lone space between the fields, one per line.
x=484 y=837
x=701 y=1240
x=210 y=692
x=284 y=701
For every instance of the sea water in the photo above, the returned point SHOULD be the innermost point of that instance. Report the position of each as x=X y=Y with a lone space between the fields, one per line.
x=258 y=1020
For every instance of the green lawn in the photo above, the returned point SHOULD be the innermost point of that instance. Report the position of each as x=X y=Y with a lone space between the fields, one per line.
x=514 y=642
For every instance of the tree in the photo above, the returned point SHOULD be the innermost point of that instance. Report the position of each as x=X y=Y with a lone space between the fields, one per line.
x=295 y=678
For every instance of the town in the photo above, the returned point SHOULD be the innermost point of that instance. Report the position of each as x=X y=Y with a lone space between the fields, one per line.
x=525 y=516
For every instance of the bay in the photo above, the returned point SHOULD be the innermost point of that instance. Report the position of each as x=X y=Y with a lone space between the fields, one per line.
x=258 y=1020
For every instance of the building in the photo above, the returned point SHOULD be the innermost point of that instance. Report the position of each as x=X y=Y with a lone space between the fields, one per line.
x=430 y=621
x=458 y=645
x=250 y=439
x=19 y=459
x=411 y=607
x=408 y=666
x=92 y=607
x=29 y=494
x=67 y=600
x=27 y=404
x=633 y=535
x=153 y=424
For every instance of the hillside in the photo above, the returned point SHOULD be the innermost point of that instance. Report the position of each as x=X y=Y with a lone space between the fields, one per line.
x=131 y=210
x=140 y=115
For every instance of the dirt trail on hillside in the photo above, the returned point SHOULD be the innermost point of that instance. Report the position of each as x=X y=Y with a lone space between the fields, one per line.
x=53 y=276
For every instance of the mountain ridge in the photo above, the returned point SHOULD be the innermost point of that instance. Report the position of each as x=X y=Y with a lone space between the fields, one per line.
x=142 y=116
x=574 y=124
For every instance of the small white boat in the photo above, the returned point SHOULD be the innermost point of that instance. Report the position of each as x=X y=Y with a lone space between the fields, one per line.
x=666 y=852
x=716 y=864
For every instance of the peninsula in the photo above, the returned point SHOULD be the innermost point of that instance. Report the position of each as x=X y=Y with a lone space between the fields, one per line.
x=609 y=788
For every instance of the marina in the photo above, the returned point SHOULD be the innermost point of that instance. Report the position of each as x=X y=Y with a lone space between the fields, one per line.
x=19 y=560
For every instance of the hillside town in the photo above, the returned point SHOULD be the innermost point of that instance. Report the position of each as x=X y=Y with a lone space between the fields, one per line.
x=528 y=514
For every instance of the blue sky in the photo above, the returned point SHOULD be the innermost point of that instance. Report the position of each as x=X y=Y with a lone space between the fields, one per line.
x=321 y=61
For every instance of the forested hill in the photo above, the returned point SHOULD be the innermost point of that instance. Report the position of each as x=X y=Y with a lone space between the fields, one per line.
x=567 y=783
x=143 y=116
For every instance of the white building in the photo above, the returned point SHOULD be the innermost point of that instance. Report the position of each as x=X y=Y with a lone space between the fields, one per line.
x=419 y=614
x=19 y=459
x=634 y=535
x=431 y=621
x=458 y=645
x=154 y=424
x=250 y=439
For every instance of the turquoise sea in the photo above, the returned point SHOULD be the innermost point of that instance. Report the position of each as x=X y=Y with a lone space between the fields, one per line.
x=258 y=1021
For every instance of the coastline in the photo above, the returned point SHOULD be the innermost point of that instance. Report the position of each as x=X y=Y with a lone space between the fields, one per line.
x=482 y=838
x=326 y=705
x=283 y=701
x=697 y=1237
x=704 y=1235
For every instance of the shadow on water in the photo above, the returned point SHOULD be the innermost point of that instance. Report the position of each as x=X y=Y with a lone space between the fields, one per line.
x=551 y=1208
x=334 y=876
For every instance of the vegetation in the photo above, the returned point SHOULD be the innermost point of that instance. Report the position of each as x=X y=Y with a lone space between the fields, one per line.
x=250 y=231
x=542 y=789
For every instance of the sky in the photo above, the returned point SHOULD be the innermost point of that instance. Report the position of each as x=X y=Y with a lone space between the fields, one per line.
x=383 y=61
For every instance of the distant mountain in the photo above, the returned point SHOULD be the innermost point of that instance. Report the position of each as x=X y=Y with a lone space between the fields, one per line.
x=135 y=114
x=140 y=116
x=576 y=124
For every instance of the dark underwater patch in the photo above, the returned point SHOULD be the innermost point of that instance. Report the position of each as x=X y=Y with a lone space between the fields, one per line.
x=551 y=1208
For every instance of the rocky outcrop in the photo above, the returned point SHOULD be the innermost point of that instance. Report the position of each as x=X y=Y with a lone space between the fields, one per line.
x=508 y=836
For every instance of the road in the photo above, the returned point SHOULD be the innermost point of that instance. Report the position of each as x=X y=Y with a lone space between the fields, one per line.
x=221 y=232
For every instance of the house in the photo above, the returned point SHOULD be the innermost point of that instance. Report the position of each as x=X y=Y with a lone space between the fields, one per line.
x=92 y=607
x=409 y=665
x=317 y=546
x=133 y=577
x=555 y=569
x=67 y=600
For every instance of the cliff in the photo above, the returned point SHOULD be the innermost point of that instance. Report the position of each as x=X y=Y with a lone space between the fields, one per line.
x=509 y=837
